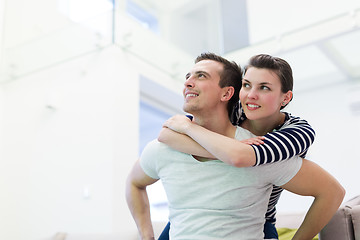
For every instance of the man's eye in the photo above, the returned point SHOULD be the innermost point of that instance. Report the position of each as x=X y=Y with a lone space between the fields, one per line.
x=201 y=75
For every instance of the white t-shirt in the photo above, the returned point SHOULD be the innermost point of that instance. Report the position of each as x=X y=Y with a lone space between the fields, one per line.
x=213 y=200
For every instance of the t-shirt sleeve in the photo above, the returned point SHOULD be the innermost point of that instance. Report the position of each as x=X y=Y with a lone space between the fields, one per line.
x=149 y=158
x=293 y=139
x=280 y=173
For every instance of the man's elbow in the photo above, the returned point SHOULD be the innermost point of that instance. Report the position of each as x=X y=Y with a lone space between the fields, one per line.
x=336 y=194
x=340 y=193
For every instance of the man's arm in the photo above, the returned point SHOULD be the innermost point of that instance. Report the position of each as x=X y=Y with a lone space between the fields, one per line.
x=312 y=180
x=138 y=202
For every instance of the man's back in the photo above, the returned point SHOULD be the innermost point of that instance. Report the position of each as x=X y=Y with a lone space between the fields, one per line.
x=212 y=200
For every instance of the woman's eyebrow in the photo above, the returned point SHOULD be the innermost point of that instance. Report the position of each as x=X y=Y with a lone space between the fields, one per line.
x=266 y=83
x=261 y=83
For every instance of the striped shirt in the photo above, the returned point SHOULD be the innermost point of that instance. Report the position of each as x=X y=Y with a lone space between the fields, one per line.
x=292 y=138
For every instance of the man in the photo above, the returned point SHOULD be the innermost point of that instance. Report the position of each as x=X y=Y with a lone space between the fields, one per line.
x=210 y=199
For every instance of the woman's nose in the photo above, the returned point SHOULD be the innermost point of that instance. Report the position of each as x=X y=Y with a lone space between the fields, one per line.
x=252 y=94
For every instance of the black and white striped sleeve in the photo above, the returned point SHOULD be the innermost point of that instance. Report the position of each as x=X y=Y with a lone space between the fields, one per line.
x=293 y=138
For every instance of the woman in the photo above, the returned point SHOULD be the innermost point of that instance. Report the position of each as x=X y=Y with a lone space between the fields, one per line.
x=266 y=89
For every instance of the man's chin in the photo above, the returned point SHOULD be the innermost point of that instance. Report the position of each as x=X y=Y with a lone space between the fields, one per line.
x=186 y=108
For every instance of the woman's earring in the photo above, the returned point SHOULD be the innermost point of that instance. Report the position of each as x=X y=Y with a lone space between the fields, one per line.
x=283 y=103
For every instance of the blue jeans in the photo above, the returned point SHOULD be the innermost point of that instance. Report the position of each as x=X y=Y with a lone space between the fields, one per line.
x=165 y=233
x=269 y=231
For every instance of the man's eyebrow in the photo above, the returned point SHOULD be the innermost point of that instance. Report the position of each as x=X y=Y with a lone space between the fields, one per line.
x=202 y=72
x=196 y=73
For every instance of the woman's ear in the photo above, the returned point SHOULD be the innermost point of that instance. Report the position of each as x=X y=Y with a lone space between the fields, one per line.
x=228 y=93
x=287 y=98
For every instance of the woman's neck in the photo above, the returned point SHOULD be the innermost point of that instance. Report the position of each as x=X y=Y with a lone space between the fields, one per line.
x=263 y=126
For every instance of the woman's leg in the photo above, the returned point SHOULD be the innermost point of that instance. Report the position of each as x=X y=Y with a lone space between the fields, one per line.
x=270 y=231
x=165 y=233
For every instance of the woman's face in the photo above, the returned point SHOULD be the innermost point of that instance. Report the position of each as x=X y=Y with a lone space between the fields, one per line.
x=260 y=95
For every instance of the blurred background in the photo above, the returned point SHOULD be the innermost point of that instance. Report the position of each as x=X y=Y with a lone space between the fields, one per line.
x=84 y=85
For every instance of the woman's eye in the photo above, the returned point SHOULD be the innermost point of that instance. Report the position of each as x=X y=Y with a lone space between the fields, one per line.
x=246 y=85
x=265 y=88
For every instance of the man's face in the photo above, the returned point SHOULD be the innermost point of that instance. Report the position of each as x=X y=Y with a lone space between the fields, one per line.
x=201 y=88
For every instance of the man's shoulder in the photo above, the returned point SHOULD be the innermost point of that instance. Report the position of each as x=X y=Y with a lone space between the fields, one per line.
x=155 y=145
x=157 y=149
x=242 y=133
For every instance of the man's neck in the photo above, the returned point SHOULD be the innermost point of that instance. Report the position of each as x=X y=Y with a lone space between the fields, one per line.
x=218 y=123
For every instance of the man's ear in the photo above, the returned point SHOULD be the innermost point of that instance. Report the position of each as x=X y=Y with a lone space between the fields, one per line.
x=228 y=93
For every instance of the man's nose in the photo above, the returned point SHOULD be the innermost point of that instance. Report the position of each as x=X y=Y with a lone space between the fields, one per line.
x=189 y=82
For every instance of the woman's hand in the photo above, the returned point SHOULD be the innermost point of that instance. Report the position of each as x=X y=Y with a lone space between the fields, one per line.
x=178 y=123
x=254 y=141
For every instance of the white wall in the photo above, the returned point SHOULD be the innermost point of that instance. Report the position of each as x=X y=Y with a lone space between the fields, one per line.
x=1 y=121
x=70 y=138
x=262 y=21
x=336 y=145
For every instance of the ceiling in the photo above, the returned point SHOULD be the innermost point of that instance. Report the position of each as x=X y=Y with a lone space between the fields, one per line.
x=321 y=43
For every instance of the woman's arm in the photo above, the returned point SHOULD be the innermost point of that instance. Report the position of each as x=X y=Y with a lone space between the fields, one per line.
x=293 y=138
x=182 y=143
x=186 y=144
x=228 y=150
